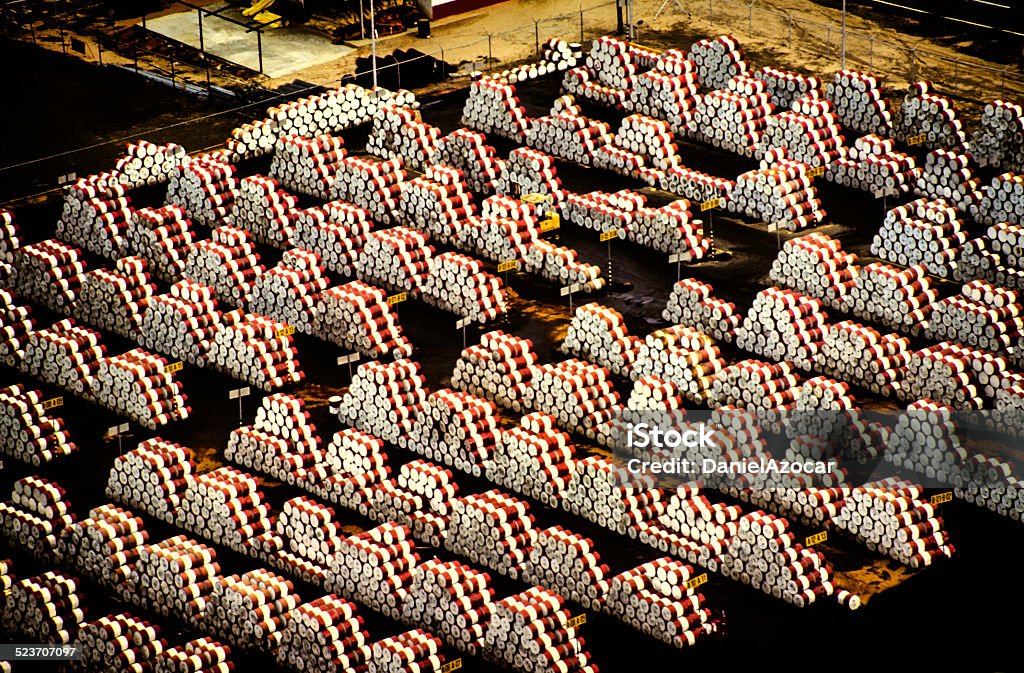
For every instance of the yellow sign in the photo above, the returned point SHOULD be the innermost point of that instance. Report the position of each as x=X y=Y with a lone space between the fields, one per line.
x=52 y=403
x=287 y=330
x=578 y=620
x=816 y=171
x=453 y=665
x=917 y=140
x=609 y=235
x=708 y=205
x=941 y=498
x=550 y=221
x=396 y=298
x=511 y=265
x=695 y=582
x=174 y=367
x=536 y=198
x=816 y=538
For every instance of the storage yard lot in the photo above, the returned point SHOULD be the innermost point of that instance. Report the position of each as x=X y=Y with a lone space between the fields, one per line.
x=238 y=318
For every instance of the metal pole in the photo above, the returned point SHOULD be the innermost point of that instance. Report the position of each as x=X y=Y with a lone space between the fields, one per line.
x=99 y=53
x=536 y=36
x=241 y=421
x=202 y=42
x=373 y=45
x=581 y=25
x=144 y=19
x=956 y=74
x=490 y=53
x=871 y=53
x=750 y=19
x=362 y=21
x=259 y=47
x=1002 y=82
x=63 y=47
x=632 y=23
x=842 y=61
x=174 y=84
x=789 y=33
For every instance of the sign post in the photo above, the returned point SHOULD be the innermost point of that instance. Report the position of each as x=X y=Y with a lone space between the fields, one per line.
x=609 y=236
x=117 y=432
x=569 y=290
x=709 y=207
x=238 y=394
x=348 y=360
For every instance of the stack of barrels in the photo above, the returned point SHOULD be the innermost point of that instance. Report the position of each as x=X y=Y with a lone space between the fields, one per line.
x=999 y=140
x=174 y=577
x=923 y=112
x=33 y=519
x=994 y=257
x=860 y=103
x=643 y=148
x=954 y=375
x=784 y=325
x=455 y=428
x=418 y=497
x=534 y=458
x=948 y=175
x=567 y=134
x=183 y=322
x=499 y=368
x=787 y=87
x=290 y=292
x=252 y=139
x=16 y=326
x=102 y=545
x=562 y=266
x=307 y=165
x=605 y=76
x=31 y=434
x=96 y=216
x=898 y=298
x=530 y=171
x=599 y=334
x=64 y=354
x=810 y=133
x=732 y=118
x=371 y=184
x=397 y=259
x=451 y=599
x=356 y=462
x=228 y=262
x=257 y=350
x=666 y=91
x=304 y=540
x=250 y=610
x=607 y=495
x=581 y=395
x=492 y=528
x=48 y=273
x=926 y=440
x=375 y=567
x=873 y=165
x=336 y=232
x=693 y=303
x=864 y=356
x=203 y=655
x=929 y=233
x=324 y=636
x=681 y=357
x=983 y=316
x=384 y=399
x=469 y=152
x=414 y=650
x=780 y=192
x=436 y=203
x=400 y=133
x=226 y=506
x=531 y=632
x=816 y=266
x=568 y=563
x=357 y=317
x=503 y=232
x=147 y=163
x=162 y=237
x=654 y=597
x=47 y=608
x=493 y=107
x=116 y=300
x=282 y=442
x=120 y=642
x=206 y=187
x=152 y=477
x=265 y=211
x=139 y=386
x=717 y=61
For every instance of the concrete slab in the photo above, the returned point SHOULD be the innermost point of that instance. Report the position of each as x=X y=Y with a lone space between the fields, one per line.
x=285 y=50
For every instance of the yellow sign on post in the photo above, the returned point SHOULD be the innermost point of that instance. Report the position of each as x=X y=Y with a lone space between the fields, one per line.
x=816 y=538
x=695 y=582
x=511 y=265
x=53 y=403
x=816 y=171
x=287 y=330
x=941 y=498
x=453 y=665
x=609 y=235
x=578 y=620
x=710 y=205
x=174 y=367
x=916 y=140
x=397 y=298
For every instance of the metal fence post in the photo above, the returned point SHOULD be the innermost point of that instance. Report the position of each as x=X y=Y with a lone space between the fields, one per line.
x=444 y=65
x=956 y=75
x=174 y=84
x=913 y=64
x=871 y=53
x=490 y=53
x=789 y=32
x=750 y=19
x=99 y=52
x=711 y=11
x=259 y=47
x=63 y=46
x=828 y=40
x=536 y=35
x=582 y=39
x=1002 y=83
x=202 y=42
